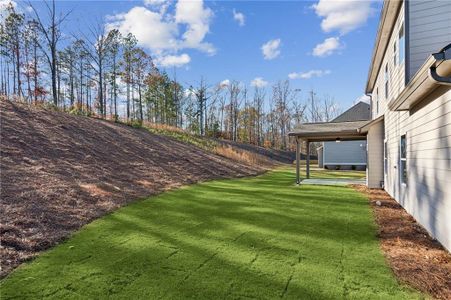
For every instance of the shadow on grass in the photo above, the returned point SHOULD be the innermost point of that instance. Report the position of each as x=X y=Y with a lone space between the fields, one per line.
x=260 y=238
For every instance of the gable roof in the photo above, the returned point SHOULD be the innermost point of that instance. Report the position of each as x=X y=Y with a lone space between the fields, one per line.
x=359 y=112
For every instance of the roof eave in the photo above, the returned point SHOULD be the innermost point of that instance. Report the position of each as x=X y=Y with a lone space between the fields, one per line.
x=366 y=127
x=421 y=84
x=389 y=15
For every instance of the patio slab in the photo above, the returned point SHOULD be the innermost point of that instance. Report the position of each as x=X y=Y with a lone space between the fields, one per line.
x=335 y=181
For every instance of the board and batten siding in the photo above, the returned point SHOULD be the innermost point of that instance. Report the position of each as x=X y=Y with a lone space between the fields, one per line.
x=344 y=153
x=429 y=28
x=427 y=194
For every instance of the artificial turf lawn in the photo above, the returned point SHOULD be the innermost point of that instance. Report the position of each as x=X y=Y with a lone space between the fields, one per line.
x=260 y=237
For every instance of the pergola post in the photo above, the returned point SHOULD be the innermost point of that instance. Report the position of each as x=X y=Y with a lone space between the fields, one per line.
x=298 y=151
x=307 y=163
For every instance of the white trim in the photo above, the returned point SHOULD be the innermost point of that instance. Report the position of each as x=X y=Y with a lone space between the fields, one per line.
x=400 y=174
x=385 y=161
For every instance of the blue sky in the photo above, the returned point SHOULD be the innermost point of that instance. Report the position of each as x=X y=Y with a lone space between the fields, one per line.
x=222 y=40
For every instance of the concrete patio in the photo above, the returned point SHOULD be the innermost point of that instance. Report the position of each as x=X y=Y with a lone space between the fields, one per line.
x=335 y=181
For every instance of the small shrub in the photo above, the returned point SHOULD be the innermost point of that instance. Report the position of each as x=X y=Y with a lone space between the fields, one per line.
x=136 y=123
x=353 y=167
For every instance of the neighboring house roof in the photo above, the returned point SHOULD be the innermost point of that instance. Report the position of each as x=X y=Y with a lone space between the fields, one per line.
x=330 y=131
x=359 y=112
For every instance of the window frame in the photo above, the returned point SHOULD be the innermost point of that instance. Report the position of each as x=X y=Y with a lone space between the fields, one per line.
x=386 y=79
x=395 y=54
x=403 y=159
x=377 y=101
x=385 y=158
x=401 y=44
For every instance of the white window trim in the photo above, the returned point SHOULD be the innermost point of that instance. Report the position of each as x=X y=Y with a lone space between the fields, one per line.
x=402 y=159
x=385 y=158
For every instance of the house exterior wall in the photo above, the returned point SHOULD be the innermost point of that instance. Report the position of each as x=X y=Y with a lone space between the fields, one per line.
x=396 y=73
x=429 y=29
x=375 y=154
x=427 y=126
x=344 y=153
x=320 y=157
x=427 y=194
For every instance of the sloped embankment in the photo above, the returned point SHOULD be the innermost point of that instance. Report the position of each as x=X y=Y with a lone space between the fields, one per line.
x=59 y=172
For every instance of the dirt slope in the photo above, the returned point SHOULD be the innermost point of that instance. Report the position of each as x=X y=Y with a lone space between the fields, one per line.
x=59 y=171
x=281 y=156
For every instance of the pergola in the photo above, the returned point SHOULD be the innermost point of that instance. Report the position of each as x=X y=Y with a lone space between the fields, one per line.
x=323 y=132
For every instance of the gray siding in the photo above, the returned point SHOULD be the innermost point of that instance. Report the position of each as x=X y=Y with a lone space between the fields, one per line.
x=320 y=158
x=396 y=72
x=427 y=194
x=429 y=30
x=345 y=153
x=375 y=170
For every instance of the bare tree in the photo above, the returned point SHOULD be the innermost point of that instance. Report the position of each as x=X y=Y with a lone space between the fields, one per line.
x=52 y=35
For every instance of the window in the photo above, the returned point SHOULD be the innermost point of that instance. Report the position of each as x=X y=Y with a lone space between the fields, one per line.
x=386 y=81
x=385 y=158
x=401 y=43
x=377 y=101
x=395 y=54
x=403 y=159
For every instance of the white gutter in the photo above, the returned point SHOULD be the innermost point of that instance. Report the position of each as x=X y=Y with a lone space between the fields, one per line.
x=422 y=84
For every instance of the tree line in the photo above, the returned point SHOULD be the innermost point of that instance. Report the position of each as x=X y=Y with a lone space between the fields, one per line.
x=105 y=73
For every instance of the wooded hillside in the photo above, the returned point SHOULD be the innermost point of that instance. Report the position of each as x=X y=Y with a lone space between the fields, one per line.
x=60 y=171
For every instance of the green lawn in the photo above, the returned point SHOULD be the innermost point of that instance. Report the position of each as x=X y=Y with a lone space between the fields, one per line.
x=261 y=237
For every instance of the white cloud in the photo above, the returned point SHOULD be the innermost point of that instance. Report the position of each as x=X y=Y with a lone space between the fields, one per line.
x=363 y=98
x=271 y=49
x=197 y=19
x=159 y=5
x=343 y=15
x=173 y=60
x=148 y=27
x=224 y=83
x=4 y=5
x=308 y=74
x=154 y=2
x=165 y=33
x=327 y=47
x=239 y=17
x=259 y=82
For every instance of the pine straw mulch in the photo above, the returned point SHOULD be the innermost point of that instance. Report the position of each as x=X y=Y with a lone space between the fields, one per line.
x=414 y=256
x=60 y=172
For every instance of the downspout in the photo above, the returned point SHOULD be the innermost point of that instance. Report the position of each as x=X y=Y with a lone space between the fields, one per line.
x=437 y=78
x=444 y=54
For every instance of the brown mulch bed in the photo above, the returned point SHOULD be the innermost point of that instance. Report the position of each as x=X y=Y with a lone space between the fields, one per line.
x=414 y=256
x=59 y=172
